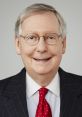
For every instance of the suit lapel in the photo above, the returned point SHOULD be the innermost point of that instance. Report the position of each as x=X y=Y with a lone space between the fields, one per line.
x=70 y=92
x=15 y=97
x=67 y=102
x=14 y=108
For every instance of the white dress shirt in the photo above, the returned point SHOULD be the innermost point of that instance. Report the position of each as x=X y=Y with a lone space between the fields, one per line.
x=52 y=97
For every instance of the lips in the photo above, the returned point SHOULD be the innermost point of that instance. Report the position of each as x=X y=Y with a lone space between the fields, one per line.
x=44 y=59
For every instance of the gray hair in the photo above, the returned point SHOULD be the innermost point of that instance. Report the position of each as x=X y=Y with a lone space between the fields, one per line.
x=39 y=8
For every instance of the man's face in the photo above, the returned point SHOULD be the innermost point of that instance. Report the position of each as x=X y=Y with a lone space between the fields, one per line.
x=41 y=58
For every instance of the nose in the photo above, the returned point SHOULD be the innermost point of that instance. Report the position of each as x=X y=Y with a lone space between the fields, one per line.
x=42 y=46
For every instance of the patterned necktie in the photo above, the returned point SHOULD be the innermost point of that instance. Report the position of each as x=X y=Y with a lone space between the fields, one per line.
x=43 y=109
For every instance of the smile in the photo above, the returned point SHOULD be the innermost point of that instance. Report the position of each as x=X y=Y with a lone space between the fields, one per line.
x=43 y=60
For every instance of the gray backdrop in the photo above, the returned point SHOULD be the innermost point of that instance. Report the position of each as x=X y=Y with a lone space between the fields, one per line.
x=10 y=63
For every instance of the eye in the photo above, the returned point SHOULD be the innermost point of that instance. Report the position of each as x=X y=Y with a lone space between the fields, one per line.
x=31 y=37
x=51 y=37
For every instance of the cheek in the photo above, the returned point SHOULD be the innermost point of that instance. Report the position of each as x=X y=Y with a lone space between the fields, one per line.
x=26 y=55
x=57 y=50
x=57 y=55
x=26 y=51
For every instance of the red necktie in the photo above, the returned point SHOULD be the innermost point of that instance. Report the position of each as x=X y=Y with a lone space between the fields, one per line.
x=43 y=109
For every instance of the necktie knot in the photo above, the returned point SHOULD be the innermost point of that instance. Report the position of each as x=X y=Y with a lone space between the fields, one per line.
x=42 y=92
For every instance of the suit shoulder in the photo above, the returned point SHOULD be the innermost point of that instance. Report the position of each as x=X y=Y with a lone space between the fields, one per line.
x=70 y=77
x=73 y=75
x=12 y=80
x=5 y=82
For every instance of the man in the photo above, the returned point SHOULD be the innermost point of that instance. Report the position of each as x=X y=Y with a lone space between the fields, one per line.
x=42 y=88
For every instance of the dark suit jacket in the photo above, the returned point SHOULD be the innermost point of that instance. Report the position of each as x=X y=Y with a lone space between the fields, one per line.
x=13 y=95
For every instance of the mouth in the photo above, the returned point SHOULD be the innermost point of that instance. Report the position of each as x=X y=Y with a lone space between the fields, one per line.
x=42 y=60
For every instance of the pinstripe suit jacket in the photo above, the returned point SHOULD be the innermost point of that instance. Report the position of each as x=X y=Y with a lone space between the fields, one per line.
x=13 y=95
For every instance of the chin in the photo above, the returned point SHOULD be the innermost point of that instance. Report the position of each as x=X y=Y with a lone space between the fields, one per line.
x=42 y=71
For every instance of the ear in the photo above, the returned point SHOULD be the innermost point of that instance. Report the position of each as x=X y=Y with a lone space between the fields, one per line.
x=17 y=45
x=63 y=45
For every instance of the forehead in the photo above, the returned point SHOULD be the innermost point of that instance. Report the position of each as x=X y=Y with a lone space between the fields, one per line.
x=41 y=22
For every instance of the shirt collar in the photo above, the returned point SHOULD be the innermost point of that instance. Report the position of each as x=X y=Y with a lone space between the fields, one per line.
x=54 y=86
x=32 y=87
